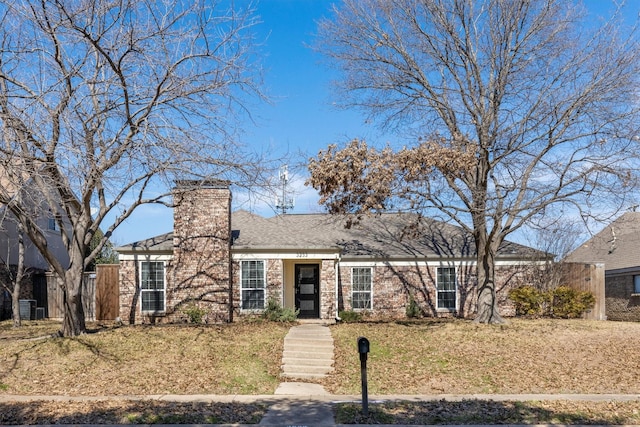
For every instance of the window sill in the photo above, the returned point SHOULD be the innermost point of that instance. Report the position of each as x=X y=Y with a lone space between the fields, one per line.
x=252 y=310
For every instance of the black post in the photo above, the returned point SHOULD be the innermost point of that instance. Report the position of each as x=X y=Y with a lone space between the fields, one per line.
x=363 y=349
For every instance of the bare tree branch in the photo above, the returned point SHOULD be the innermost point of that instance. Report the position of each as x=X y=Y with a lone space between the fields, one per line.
x=106 y=103
x=519 y=109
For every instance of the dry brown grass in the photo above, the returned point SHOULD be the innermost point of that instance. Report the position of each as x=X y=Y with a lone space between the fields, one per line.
x=461 y=357
x=43 y=412
x=418 y=357
x=238 y=358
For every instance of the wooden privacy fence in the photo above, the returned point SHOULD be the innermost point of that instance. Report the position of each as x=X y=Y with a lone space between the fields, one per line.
x=587 y=277
x=99 y=294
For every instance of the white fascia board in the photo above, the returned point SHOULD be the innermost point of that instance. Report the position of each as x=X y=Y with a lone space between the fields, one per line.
x=301 y=255
x=520 y=262
x=406 y=263
x=431 y=263
x=146 y=256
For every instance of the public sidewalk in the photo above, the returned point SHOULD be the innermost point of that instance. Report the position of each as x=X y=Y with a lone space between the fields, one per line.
x=301 y=404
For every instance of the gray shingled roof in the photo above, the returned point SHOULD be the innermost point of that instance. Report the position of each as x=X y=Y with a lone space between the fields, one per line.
x=381 y=236
x=617 y=245
x=161 y=243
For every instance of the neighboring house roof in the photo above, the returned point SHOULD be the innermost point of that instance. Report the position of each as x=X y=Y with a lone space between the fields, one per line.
x=617 y=245
x=161 y=243
x=387 y=235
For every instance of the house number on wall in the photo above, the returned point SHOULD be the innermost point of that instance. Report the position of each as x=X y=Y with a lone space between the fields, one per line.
x=302 y=254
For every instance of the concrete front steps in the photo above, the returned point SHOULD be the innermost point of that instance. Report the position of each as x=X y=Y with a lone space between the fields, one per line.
x=308 y=352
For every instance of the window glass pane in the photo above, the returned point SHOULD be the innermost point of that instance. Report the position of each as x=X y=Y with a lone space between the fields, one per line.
x=361 y=283
x=252 y=274
x=152 y=300
x=362 y=300
x=636 y=284
x=152 y=284
x=446 y=288
x=152 y=275
x=361 y=279
x=308 y=273
x=447 y=300
x=446 y=278
x=252 y=299
x=252 y=284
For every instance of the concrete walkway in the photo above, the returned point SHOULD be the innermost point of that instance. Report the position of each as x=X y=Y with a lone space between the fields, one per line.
x=308 y=354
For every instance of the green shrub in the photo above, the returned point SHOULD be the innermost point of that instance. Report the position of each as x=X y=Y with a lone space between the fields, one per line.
x=195 y=313
x=562 y=301
x=349 y=316
x=569 y=303
x=274 y=312
x=527 y=300
x=413 y=309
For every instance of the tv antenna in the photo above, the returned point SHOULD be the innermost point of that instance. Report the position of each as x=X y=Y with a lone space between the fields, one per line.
x=284 y=203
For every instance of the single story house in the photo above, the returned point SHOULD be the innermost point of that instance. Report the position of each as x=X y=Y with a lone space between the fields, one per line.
x=231 y=264
x=617 y=247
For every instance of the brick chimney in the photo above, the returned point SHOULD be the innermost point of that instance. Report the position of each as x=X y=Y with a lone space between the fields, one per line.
x=201 y=267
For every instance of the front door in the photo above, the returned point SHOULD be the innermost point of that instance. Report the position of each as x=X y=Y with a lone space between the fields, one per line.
x=308 y=291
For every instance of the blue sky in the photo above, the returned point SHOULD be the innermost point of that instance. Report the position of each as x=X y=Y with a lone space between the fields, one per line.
x=301 y=117
x=299 y=120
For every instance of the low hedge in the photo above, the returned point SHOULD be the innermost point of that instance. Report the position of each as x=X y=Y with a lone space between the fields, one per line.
x=563 y=302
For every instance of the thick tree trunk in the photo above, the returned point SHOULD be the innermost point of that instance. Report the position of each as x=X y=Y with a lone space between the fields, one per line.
x=487 y=308
x=73 y=323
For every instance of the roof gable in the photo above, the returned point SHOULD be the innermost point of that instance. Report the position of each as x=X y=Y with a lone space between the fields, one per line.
x=616 y=244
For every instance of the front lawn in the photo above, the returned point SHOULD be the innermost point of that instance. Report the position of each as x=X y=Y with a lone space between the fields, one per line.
x=461 y=357
x=415 y=357
x=238 y=358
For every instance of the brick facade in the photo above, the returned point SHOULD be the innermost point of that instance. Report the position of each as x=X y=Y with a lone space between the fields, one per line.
x=622 y=303
x=197 y=270
x=129 y=291
x=202 y=270
x=393 y=286
x=327 y=289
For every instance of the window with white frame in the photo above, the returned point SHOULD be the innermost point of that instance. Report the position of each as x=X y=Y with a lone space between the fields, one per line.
x=361 y=286
x=636 y=284
x=446 y=288
x=52 y=223
x=152 y=286
x=253 y=284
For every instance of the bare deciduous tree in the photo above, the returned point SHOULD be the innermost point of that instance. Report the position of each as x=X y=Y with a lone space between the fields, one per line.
x=519 y=109
x=104 y=103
